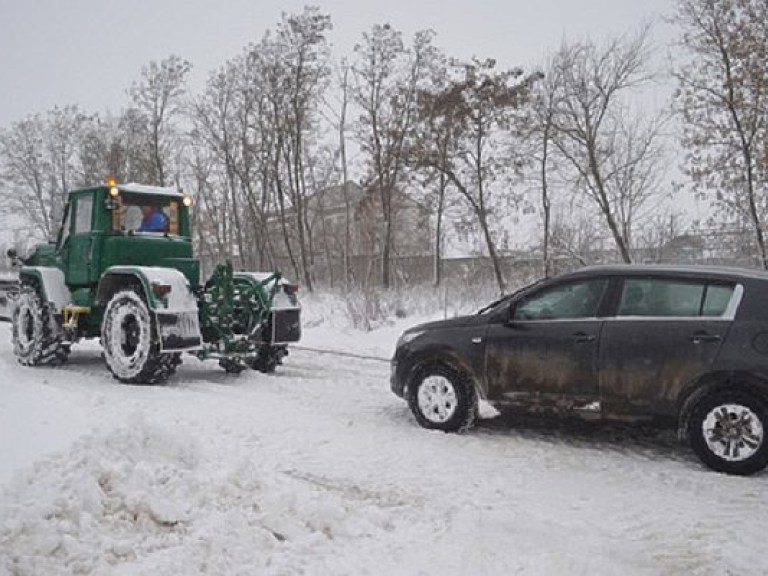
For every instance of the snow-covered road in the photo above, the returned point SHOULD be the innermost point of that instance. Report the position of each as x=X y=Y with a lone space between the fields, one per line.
x=319 y=469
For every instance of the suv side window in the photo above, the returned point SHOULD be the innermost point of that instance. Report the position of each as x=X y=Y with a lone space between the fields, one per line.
x=573 y=300
x=716 y=300
x=659 y=297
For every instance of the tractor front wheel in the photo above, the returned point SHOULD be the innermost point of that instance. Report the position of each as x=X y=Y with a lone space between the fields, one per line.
x=37 y=335
x=131 y=346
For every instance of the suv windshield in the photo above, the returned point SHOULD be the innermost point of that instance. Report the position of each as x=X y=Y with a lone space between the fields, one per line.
x=144 y=213
x=506 y=297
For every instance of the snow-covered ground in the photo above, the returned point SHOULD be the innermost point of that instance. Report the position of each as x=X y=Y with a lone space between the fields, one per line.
x=320 y=470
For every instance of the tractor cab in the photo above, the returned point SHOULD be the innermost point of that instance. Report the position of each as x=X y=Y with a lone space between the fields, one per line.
x=125 y=225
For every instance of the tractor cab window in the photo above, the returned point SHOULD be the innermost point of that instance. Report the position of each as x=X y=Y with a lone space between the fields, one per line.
x=83 y=213
x=142 y=213
x=64 y=232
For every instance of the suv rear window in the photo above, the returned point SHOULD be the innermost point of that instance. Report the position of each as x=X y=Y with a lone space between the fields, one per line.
x=660 y=297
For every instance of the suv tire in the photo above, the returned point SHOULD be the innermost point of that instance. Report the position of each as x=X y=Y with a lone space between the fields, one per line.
x=727 y=431
x=443 y=398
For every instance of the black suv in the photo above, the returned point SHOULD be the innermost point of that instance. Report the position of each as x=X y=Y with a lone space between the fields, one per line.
x=686 y=346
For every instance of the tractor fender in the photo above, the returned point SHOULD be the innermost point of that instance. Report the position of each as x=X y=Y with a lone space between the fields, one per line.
x=179 y=299
x=175 y=313
x=52 y=287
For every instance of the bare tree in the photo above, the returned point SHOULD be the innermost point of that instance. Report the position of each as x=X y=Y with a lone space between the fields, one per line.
x=321 y=172
x=39 y=158
x=258 y=118
x=723 y=99
x=159 y=97
x=387 y=78
x=336 y=115
x=285 y=74
x=100 y=153
x=64 y=135
x=614 y=155
x=345 y=171
x=544 y=100
x=575 y=238
x=131 y=152
x=435 y=135
x=301 y=40
x=476 y=107
x=217 y=125
x=26 y=187
x=212 y=214
x=661 y=233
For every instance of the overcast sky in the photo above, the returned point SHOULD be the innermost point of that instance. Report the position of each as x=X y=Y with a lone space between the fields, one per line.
x=87 y=52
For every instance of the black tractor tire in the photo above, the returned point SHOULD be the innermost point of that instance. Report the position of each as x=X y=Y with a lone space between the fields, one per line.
x=131 y=345
x=727 y=430
x=38 y=339
x=268 y=359
x=443 y=398
x=232 y=365
x=170 y=362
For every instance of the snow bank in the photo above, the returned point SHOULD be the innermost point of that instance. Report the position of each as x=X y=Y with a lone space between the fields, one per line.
x=319 y=470
x=369 y=321
x=143 y=499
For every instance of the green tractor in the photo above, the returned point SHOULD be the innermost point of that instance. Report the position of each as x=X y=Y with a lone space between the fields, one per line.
x=122 y=270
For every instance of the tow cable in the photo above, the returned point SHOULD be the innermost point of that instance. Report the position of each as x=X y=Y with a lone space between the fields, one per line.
x=339 y=353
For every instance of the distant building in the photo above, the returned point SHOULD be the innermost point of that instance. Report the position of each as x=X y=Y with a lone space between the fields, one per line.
x=326 y=212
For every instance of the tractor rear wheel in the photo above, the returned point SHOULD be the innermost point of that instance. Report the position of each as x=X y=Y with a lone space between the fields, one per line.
x=268 y=359
x=232 y=365
x=170 y=362
x=38 y=339
x=131 y=345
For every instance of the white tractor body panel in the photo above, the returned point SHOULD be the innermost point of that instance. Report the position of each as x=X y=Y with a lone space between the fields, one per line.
x=55 y=290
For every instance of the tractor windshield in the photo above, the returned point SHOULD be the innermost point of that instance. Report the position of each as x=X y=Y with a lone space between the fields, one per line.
x=143 y=213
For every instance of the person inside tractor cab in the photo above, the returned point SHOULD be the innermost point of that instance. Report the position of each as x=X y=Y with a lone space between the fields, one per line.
x=138 y=213
x=153 y=219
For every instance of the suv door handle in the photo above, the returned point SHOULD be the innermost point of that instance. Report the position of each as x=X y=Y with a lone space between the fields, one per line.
x=581 y=337
x=703 y=336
